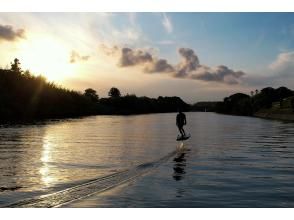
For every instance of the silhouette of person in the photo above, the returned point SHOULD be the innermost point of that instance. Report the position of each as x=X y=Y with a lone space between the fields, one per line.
x=181 y=121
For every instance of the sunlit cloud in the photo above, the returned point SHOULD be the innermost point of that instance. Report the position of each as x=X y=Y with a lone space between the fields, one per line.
x=104 y=30
x=284 y=63
x=278 y=73
x=7 y=32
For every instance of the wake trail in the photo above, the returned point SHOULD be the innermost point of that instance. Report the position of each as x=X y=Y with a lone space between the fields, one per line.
x=92 y=187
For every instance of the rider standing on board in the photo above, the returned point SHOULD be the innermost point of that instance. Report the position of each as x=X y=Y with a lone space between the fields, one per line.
x=181 y=121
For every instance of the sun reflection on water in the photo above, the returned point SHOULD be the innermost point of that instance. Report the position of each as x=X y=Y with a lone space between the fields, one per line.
x=46 y=176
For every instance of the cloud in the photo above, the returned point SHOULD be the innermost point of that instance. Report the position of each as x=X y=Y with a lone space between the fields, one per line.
x=189 y=62
x=218 y=74
x=279 y=73
x=8 y=33
x=158 y=66
x=130 y=57
x=76 y=57
x=109 y=51
x=166 y=42
x=284 y=64
x=129 y=32
x=167 y=24
x=138 y=57
x=188 y=68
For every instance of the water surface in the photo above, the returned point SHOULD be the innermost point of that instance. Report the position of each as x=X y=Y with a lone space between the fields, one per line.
x=229 y=161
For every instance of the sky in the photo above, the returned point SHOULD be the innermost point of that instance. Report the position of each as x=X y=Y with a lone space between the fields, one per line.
x=196 y=56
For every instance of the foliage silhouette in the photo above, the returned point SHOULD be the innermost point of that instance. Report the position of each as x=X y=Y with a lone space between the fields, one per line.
x=204 y=106
x=242 y=104
x=24 y=96
x=15 y=66
x=91 y=94
x=114 y=93
x=131 y=104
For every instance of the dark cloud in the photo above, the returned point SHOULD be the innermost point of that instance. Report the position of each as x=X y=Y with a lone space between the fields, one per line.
x=130 y=57
x=159 y=66
x=139 y=57
x=218 y=74
x=8 y=33
x=189 y=67
x=189 y=62
x=76 y=57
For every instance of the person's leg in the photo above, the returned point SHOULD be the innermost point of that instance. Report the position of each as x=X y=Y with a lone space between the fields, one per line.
x=180 y=130
x=183 y=132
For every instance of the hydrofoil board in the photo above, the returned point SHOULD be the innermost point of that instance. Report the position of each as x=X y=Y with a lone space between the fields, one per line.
x=183 y=138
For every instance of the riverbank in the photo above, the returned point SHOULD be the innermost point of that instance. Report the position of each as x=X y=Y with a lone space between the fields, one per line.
x=279 y=110
x=273 y=115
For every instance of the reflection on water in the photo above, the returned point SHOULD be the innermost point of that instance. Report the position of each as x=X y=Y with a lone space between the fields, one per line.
x=232 y=162
x=179 y=166
x=40 y=158
x=46 y=177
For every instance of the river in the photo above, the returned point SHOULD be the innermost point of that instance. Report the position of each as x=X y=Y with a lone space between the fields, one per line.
x=229 y=161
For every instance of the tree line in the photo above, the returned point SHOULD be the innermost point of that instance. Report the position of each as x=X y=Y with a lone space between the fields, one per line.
x=243 y=104
x=24 y=96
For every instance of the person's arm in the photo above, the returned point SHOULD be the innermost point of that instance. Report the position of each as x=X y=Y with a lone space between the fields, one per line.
x=185 y=121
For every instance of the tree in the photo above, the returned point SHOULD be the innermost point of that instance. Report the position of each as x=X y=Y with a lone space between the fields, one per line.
x=92 y=94
x=15 y=66
x=114 y=92
x=283 y=92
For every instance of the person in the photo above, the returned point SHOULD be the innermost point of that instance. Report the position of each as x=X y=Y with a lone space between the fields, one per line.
x=181 y=121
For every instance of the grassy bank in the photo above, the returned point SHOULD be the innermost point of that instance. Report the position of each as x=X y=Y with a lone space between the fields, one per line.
x=279 y=110
x=268 y=103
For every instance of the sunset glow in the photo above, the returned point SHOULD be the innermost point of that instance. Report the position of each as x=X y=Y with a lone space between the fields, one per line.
x=207 y=55
x=46 y=56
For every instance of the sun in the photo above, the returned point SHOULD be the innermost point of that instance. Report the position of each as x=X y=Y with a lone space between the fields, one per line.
x=47 y=56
